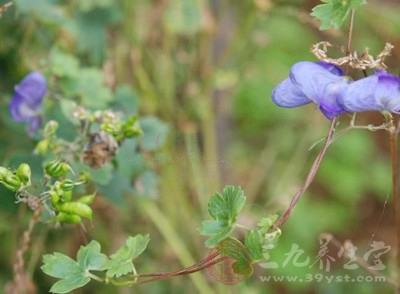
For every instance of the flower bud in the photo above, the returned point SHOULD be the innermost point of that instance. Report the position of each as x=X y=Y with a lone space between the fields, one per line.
x=50 y=128
x=56 y=168
x=4 y=172
x=111 y=128
x=24 y=173
x=67 y=185
x=11 y=182
x=42 y=147
x=84 y=176
x=131 y=128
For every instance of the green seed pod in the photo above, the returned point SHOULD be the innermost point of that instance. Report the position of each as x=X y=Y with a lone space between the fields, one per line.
x=68 y=218
x=55 y=197
x=67 y=185
x=24 y=173
x=12 y=182
x=56 y=168
x=50 y=128
x=87 y=199
x=4 y=172
x=77 y=208
x=66 y=196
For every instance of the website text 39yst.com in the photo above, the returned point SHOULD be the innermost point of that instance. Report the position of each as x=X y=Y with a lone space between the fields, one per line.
x=320 y=278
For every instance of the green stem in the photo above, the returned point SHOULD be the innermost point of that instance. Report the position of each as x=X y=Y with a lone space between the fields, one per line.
x=94 y=277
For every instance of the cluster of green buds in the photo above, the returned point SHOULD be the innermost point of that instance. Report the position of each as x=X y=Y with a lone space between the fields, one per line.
x=122 y=130
x=49 y=136
x=67 y=210
x=16 y=180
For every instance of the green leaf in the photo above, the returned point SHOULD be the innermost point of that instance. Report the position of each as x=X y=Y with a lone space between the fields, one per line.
x=242 y=267
x=73 y=274
x=101 y=176
x=121 y=261
x=334 y=12
x=224 y=208
x=68 y=270
x=90 y=258
x=89 y=87
x=234 y=249
x=154 y=133
x=63 y=64
x=253 y=243
x=219 y=229
x=126 y=100
x=43 y=10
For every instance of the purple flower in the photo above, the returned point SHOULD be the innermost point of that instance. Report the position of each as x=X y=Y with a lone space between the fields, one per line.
x=380 y=91
x=319 y=82
x=26 y=104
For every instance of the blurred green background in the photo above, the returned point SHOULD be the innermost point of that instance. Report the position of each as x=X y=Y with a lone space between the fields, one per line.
x=200 y=75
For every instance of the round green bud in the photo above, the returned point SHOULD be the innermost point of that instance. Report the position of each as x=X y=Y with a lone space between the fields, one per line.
x=50 y=128
x=12 y=182
x=24 y=173
x=67 y=185
x=56 y=168
x=42 y=147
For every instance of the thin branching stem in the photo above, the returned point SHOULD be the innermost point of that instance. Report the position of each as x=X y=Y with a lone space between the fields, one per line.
x=393 y=134
x=309 y=179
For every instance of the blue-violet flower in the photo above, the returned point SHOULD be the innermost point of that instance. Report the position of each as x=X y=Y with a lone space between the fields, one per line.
x=380 y=91
x=319 y=82
x=26 y=104
x=324 y=84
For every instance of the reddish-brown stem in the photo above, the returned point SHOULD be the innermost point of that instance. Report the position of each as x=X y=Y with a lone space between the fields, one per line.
x=349 y=37
x=395 y=190
x=186 y=271
x=309 y=179
x=195 y=266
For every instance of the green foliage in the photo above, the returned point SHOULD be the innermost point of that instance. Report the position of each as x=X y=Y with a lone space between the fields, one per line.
x=74 y=274
x=234 y=249
x=120 y=263
x=224 y=209
x=334 y=12
x=155 y=133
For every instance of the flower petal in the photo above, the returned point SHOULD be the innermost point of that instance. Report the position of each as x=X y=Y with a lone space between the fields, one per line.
x=321 y=85
x=312 y=79
x=332 y=68
x=360 y=96
x=287 y=95
x=388 y=92
x=32 y=88
x=34 y=124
